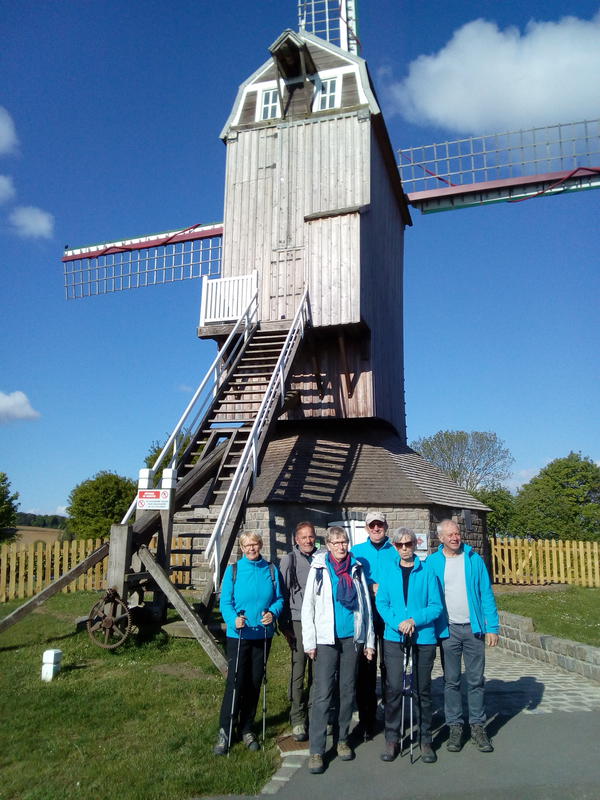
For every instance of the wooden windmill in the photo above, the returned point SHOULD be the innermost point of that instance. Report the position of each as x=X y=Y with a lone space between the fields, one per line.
x=301 y=415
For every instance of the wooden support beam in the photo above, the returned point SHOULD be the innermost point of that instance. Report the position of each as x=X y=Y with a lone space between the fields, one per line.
x=342 y=344
x=317 y=371
x=55 y=587
x=119 y=558
x=202 y=634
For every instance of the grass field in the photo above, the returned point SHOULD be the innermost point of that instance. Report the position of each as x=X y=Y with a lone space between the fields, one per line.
x=572 y=614
x=137 y=723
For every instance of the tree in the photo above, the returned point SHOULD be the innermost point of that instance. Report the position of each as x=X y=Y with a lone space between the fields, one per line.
x=98 y=503
x=562 y=500
x=8 y=507
x=502 y=503
x=474 y=460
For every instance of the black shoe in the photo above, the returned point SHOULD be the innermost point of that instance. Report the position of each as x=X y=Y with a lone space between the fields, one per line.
x=222 y=745
x=428 y=755
x=390 y=752
x=455 y=739
x=480 y=739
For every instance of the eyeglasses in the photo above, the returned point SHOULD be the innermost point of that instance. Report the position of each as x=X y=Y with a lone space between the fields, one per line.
x=341 y=543
x=404 y=544
x=376 y=524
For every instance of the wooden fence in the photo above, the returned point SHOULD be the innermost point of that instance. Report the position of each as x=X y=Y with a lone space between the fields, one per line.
x=25 y=569
x=538 y=562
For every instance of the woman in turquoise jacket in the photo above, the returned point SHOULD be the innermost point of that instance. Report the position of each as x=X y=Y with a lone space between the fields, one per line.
x=251 y=601
x=409 y=600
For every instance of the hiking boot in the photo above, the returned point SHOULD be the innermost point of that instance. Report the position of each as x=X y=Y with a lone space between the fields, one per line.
x=480 y=739
x=299 y=733
x=455 y=742
x=344 y=751
x=428 y=755
x=315 y=764
x=249 y=739
x=390 y=752
x=222 y=745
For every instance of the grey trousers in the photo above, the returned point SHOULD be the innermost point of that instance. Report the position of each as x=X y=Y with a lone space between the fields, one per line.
x=301 y=664
x=464 y=644
x=333 y=661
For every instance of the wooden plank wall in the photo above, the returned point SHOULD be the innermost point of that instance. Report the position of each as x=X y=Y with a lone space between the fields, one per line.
x=335 y=402
x=275 y=177
x=381 y=285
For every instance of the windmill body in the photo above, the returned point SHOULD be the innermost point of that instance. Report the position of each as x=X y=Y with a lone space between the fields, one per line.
x=301 y=416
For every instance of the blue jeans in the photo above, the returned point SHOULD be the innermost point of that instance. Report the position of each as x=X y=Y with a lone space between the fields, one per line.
x=463 y=643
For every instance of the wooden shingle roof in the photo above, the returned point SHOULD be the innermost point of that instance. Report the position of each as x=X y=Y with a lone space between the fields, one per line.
x=356 y=462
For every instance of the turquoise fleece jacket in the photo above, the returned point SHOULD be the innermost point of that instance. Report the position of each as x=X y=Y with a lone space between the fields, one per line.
x=253 y=593
x=482 y=604
x=425 y=604
x=373 y=559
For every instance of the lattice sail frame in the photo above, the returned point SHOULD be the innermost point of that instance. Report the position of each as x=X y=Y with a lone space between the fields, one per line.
x=333 y=20
x=143 y=261
x=498 y=156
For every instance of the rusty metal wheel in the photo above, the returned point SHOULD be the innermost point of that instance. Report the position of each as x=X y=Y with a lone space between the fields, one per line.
x=109 y=622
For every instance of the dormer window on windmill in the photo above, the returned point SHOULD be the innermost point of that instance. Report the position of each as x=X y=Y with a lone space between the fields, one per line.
x=299 y=87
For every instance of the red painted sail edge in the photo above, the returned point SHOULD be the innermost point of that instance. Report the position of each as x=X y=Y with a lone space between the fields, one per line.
x=149 y=241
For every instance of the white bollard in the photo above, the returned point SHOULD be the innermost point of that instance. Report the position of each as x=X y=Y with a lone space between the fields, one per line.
x=51 y=663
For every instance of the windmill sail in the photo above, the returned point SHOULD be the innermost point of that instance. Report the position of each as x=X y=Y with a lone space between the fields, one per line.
x=498 y=167
x=143 y=261
x=333 y=20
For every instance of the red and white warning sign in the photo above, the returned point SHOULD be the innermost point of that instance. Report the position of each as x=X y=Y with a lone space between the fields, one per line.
x=152 y=499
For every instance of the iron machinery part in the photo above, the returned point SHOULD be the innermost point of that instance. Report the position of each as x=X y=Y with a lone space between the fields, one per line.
x=109 y=622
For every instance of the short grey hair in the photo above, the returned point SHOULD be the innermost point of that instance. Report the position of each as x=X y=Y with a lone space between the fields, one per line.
x=441 y=526
x=400 y=533
x=336 y=531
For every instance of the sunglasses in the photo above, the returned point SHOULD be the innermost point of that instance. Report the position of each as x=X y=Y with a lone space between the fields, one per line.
x=404 y=544
x=376 y=524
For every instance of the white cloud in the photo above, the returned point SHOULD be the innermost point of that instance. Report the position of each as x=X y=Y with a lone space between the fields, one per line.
x=16 y=405
x=185 y=388
x=8 y=132
x=62 y=510
x=486 y=79
x=7 y=188
x=29 y=221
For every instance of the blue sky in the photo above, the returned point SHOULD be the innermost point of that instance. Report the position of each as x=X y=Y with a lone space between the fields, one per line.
x=109 y=123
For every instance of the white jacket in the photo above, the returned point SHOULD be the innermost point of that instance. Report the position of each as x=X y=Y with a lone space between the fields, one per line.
x=318 y=622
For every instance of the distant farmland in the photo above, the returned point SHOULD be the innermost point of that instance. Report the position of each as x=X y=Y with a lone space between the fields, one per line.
x=28 y=534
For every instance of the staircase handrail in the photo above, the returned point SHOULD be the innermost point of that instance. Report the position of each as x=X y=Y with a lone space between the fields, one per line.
x=274 y=392
x=217 y=370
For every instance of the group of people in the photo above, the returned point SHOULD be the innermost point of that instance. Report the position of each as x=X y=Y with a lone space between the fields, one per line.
x=340 y=609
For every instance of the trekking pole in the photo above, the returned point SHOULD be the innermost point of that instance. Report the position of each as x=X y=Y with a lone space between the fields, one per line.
x=264 y=704
x=407 y=685
x=382 y=668
x=412 y=693
x=235 y=679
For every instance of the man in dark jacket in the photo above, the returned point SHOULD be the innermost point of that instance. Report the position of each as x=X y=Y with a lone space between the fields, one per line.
x=294 y=568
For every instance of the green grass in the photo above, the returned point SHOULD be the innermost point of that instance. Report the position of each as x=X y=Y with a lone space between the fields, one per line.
x=572 y=614
x=137 y=723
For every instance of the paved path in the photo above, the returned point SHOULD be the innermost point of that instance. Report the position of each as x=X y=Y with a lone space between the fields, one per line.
x=545 y=725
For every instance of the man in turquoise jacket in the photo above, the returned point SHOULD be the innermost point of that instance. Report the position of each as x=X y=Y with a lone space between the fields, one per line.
x=471 y=620
x=373 y=555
